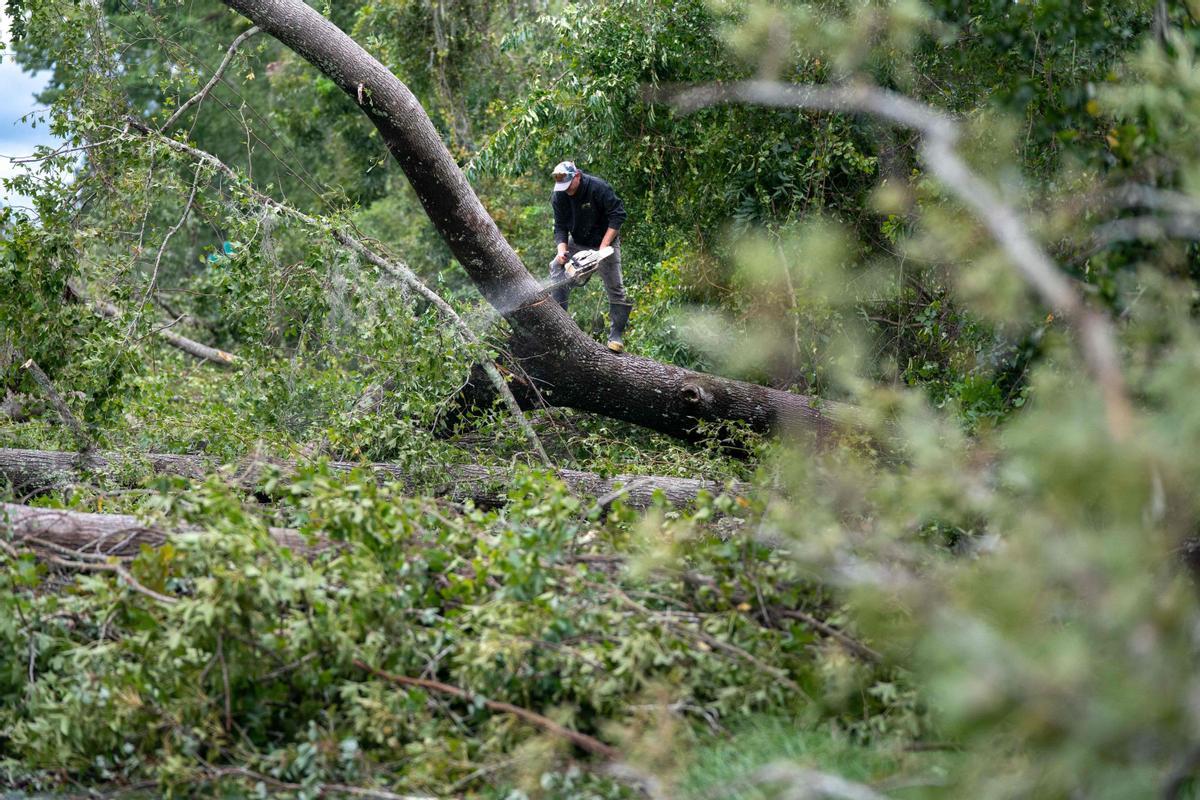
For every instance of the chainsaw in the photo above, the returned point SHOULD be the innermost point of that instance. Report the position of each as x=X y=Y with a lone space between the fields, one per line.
x=581 y=265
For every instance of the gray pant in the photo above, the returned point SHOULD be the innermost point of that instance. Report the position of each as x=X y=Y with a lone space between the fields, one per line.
x=609 y=269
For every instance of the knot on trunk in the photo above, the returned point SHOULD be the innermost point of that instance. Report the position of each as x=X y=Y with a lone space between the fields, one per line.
x=695 y=394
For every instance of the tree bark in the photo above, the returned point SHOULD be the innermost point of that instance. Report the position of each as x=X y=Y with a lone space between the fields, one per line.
x=31 y=470
x=85 y=534
x=570 y=368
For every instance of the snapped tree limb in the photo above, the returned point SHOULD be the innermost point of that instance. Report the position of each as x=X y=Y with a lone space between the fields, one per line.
x=199 y=97
x=82 y=438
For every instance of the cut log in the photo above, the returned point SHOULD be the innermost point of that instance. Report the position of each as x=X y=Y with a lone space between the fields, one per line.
x=82 y=535
x=569 y=367
x=31 y=470
x=198 y=350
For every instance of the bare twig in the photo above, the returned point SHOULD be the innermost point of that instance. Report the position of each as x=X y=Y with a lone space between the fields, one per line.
x=198 y=98
x=74 y=555
x=162 y=248
x=582 y=740
x=82 y=439
x=167 y=326
x=63 y=150
x=286 y=668
x=940 y=133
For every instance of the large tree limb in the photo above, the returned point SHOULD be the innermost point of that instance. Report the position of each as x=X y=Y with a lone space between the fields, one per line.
x=572 y=369
x=30 y=470
x=939 y=137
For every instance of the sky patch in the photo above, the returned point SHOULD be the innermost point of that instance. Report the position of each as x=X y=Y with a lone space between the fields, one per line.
x=18 y=136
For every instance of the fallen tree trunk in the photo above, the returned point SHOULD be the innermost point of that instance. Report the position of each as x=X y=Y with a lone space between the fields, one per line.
x=80 y=535
x=569 y=368
x=31 y=470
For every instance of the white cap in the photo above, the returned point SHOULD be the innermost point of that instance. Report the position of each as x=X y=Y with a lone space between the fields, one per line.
x=567 y=168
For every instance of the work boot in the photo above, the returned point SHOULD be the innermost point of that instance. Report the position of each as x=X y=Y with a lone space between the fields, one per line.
x=619 y=314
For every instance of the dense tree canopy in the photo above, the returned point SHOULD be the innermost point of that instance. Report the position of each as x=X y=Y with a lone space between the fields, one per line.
x=916 y=227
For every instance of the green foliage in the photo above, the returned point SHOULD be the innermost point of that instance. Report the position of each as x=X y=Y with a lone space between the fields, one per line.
x=64 y=339
x=255 y=663
x=1014 y=563
x=729 y=766
x=682 y=179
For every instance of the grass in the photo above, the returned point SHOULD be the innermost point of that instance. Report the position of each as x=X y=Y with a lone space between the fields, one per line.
x=725 y=768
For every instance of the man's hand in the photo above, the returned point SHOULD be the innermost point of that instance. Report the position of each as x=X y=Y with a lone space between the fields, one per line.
x=562 y=258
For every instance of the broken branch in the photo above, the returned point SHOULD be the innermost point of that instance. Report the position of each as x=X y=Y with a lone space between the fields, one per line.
x=199 y=97
x=82 y=439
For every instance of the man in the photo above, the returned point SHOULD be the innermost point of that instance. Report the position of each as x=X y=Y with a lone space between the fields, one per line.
x=588 y=216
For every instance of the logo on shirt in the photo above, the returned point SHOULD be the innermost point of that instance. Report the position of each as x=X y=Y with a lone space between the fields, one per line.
x=586 y=205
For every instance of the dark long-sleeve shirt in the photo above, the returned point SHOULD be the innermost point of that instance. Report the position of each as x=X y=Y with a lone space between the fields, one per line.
x=593 y=209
